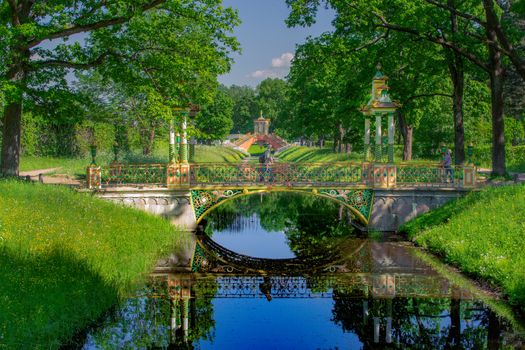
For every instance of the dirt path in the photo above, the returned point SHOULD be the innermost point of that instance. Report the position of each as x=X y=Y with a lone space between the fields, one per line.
x=55 y=179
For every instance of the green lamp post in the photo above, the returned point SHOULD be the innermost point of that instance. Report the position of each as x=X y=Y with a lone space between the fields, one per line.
x=93 y=149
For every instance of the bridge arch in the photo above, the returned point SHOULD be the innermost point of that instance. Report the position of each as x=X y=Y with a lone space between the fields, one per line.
x=358 y=201
x=211 y=257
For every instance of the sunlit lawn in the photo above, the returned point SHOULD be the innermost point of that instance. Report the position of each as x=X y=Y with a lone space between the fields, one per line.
x=77 y=166
x=483 y=234
x=65 y=258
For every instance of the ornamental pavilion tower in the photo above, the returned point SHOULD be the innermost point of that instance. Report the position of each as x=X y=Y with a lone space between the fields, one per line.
x=380 y=105
x=261 y=126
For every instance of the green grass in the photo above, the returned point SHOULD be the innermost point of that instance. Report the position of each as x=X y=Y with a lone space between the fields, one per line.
x=256 y=150
x=483 y=234
x=77 y=166
x=66 y=257
x=313 y=155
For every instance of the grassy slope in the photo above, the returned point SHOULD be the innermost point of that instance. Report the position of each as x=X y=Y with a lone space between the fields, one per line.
x=66 y=257
x=77 y=166
x=255 y=149
x=312 y=154
x=483 y=234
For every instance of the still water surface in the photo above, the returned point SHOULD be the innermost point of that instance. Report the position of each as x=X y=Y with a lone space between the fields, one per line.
x=334 y=290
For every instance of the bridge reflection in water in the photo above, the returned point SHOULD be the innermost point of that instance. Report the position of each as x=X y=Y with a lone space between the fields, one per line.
x=338 y=292
x=391 y=300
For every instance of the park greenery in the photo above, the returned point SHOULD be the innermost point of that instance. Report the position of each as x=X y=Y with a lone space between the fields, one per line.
x=66 y=258
x=482 y=234
x=135 y=63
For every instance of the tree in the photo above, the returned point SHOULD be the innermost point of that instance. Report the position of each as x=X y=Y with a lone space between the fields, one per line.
x=271 y=97
x=30 y=67
x=483 y=40
x=245 y=108
x=214 y=122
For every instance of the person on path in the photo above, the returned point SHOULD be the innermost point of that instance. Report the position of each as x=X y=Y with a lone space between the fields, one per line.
x=447 y=165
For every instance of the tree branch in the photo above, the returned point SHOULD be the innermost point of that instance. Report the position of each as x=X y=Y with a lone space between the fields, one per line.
x=457 y=13
x=510 y=51
x=374 y=41
x=415 y=97
x=66 y=64
x=81 y=28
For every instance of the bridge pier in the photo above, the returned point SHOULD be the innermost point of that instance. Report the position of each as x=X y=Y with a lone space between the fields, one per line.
x=394 y=207
x=390 y=209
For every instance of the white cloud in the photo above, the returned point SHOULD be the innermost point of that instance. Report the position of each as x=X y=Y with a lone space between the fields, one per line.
x=263 y=74
x=280 y=67
x=285 y=61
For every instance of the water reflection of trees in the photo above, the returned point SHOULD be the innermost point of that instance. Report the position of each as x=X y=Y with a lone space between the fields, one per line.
x=417 y=323
x=157 y=317
x=312 y=224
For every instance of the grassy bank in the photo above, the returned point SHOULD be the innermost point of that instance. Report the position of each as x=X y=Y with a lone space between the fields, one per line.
x=65 y=258
x=314 y=154
x=483 y=234
x=77 y=166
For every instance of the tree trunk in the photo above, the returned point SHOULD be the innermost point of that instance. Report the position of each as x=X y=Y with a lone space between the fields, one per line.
x=12 y=120
x=406 y=132
x=457 y=75
x=11 y=139
x=496 y=93
x=454 y=334
x=494 y=332
x=341 y=133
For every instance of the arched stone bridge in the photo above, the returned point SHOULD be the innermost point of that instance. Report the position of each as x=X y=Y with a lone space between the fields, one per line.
x=380 y=196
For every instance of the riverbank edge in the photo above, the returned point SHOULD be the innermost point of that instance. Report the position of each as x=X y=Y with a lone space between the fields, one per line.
x=67 y=258
x=425 y=233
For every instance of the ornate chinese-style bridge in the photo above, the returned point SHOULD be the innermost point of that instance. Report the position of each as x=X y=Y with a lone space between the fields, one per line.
x=379 y=192
x=372 y=191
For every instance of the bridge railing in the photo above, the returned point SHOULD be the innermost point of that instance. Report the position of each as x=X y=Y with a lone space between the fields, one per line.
x=336 y=174
x=283 y=174
x=117 y=174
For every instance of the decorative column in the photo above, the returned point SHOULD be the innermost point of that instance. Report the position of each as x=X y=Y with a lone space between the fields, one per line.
x=173 y=320
x=185 y=317
x=367 y=140
x=388 y=335
x=378 y=152
x=391 y=132
x=184 y=139
x=172 y=156
x=177 y=147
x=377 y=326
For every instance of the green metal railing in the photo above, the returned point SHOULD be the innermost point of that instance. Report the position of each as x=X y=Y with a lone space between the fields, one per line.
x=284 y=174
x=133 y=174
x=317 y=175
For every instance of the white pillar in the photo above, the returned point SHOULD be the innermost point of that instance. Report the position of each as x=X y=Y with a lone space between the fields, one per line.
x=376 y=329
x=378 y=150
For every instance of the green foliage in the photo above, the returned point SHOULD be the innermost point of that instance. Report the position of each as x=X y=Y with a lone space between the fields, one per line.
x=482 y=234
x=153 y=55
x=515 y=157
x=215 y=122
x=66 y=258
x=245 y=108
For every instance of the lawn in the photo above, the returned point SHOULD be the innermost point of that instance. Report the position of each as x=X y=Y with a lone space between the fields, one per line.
x=483 y=234
x=314 y=154
x=77 y=166
x=256 y=150
x=66 y=258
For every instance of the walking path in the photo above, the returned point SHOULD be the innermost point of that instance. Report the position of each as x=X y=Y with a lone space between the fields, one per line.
x=50 y=176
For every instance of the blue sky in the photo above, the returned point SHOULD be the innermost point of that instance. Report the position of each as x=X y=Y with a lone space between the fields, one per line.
x=267 y=44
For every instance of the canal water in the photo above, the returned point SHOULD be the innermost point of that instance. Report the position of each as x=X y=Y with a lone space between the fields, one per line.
x=288 y=271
